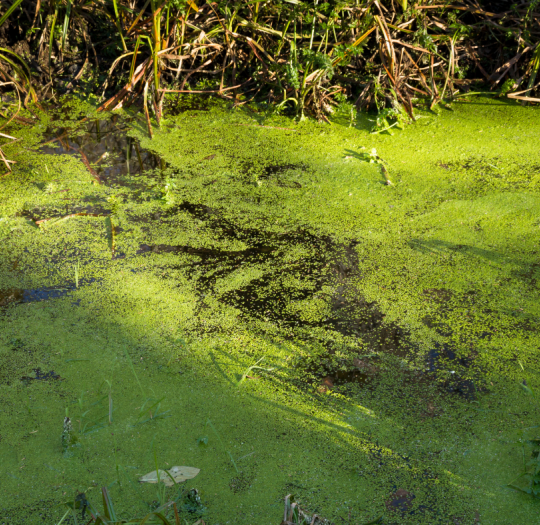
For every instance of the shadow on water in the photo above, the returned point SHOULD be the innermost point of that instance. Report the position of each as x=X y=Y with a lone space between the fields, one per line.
x=269 y=297
x=112 y=156
x=325 y=269
x=526 y=272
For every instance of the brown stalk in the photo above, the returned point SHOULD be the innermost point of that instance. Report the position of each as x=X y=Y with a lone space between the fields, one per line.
x=116 y=101
x=38 y=6
x=194 y=71
x=63 y=143
x=251 y=44
x=206 y=91
x=70 y=216
x=433 y=86
x=176 y=515
x=168 y=56
x=223 y=67
x=388 y=41
x=416 y=48
x=417 y=90
x=526 y=90
x=450 y=69
x=86 y=162
x=505 y=68
x=6 y=161
x=157 y=110
x=478 y=65
x=526 y=99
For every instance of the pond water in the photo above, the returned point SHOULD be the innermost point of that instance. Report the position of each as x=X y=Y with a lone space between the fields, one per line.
x=245 y=294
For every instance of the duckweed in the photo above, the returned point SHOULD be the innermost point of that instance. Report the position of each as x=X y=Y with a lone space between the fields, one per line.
x=395 y=322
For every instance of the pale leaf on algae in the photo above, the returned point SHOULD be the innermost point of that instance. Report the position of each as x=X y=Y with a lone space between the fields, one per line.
x=171 y=476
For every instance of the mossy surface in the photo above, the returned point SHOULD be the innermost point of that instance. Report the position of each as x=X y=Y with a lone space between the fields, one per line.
x=388 y=327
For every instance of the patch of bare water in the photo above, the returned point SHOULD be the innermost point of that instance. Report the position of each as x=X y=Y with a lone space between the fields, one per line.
x=105 y=148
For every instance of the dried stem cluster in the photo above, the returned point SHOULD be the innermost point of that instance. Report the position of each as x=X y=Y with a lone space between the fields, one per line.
x=297 y=55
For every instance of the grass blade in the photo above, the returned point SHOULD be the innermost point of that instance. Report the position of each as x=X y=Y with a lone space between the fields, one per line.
x=66 y=23
x=51 y=38
x=108 y=508
x=9 y=11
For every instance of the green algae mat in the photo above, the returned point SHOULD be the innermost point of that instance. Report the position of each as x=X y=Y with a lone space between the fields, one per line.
x=247 y=295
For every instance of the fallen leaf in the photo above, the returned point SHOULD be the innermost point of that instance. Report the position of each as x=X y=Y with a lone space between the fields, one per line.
x=328 y=381
x=179 y=474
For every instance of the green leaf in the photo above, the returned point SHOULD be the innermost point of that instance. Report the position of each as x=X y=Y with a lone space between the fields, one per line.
x=9 y=11
x=66 y=23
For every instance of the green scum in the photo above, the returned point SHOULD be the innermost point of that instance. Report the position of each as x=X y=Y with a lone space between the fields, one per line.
x=353 y=342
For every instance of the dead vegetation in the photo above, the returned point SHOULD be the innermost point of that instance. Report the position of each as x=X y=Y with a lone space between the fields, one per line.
x=292 y=53
x=299 y=57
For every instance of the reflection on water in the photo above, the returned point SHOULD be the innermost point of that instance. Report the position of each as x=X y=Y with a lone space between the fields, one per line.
x=105 y=148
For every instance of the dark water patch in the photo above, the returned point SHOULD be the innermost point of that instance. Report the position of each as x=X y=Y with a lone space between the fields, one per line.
x=282 y=175
x=41 y=376
x=400 y=502
x=400 y=506
x=324 y=264
x=203 y=253
x=105 y=148
x=453 y=360
x=287 y=284
x=278 y=174
x=242 y=482
x=438 y=295
x=43 y=215
x=269 y=297
x=445 y=368
x=362 y=374
x=326 y=372
x=44 y=294
x=15 y=296
x=217 y=262
x=453 y=369
x=230 y=229
x=279 y=169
